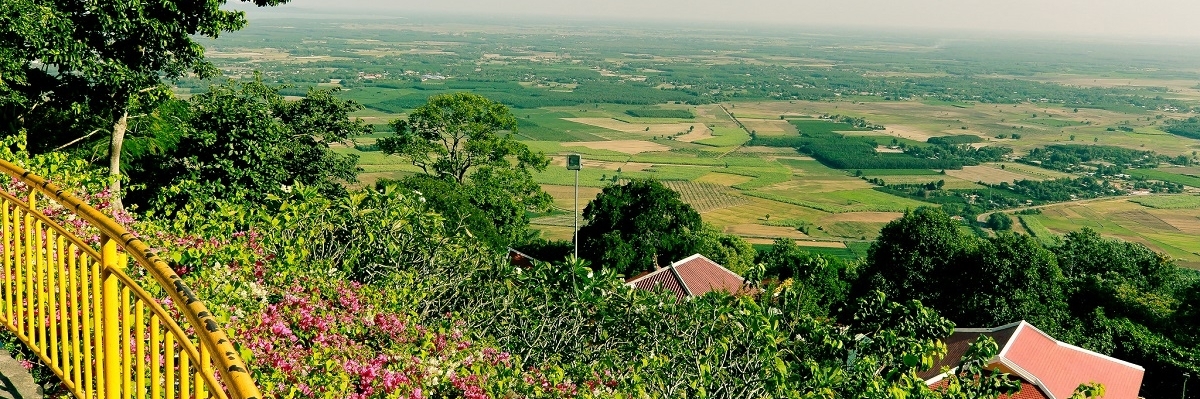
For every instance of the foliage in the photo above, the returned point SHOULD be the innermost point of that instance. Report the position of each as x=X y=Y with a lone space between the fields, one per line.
x=246 y=140
x=1189 y=127
x=1109 y=296
x=955 y=139
x=459 y=137
x=638 y=226
x=820 y=280
x=999 y=221
x=92 y=61
x=454 y=205
x=1169 y=202
x=72 y=70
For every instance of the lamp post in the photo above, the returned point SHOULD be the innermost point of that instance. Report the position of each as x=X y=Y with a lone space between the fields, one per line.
x=575 y=163
x=1185 y=378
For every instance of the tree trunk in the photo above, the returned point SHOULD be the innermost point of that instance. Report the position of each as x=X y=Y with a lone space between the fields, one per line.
x=114 y=160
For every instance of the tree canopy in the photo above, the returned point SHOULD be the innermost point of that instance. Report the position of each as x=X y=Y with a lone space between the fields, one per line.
x=468 y=139
x=1110 y=296
x=69 y=68
x=246 y=140
x=637 y=226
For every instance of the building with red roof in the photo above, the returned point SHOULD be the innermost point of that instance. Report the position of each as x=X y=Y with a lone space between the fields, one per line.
x=695 y=275
x=519 y=259
x=1047 y=368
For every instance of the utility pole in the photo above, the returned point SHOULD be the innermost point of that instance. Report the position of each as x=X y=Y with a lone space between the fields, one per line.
x=575 y=163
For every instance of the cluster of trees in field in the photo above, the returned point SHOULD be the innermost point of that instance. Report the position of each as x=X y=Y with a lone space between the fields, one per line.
x=1189 y=127
x=1097 y=159
x=966 y=154
x=955 y=139
x=857 y=122
x=971 y=202
x=857 y=152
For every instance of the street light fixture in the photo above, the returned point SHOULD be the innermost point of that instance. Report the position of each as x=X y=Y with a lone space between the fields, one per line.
x=575 y=163
x=1185 y=378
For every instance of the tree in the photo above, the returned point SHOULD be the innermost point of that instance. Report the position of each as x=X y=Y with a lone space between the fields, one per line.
x=728 y=250
x=93 y=66
x=818 y=279
x=999 y=221
x=1010 y=278
x=468 y=139
x=914 y=255
x=245 y=140
x=455 y=205
x=637 y=227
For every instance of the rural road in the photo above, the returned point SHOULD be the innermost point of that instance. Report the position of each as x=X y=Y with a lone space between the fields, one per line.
x=739 y=123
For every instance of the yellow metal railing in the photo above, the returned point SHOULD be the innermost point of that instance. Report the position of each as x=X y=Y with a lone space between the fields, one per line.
x=101 y=332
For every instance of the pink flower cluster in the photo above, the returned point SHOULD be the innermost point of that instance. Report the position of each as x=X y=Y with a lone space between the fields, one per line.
x=319 y=329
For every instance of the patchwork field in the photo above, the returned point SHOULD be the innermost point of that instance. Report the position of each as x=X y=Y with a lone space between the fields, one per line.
x=763 y=193
x=1168 y=230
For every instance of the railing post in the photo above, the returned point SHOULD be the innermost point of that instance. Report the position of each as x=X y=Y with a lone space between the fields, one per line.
x=113 y=374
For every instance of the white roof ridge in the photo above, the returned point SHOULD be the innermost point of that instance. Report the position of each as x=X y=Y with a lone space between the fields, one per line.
x=686 y=290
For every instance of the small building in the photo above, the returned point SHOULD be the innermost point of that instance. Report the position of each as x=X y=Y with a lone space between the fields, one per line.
x=693 y=276
x=1046 y=367
x=519 y=259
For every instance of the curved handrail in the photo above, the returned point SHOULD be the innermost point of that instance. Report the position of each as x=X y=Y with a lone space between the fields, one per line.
x=116 y=313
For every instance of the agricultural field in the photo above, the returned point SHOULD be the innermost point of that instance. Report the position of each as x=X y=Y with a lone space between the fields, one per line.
x=709 y=123
x=1168 y=224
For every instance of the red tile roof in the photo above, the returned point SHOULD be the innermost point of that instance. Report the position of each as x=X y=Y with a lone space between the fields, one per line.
x=693 y=276
x=517 y=258
x=958 y=343
x=1028 y=391
x=1054 y=367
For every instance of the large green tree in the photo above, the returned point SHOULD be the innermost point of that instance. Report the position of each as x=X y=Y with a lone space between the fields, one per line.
x=469 y=140
x=245 y=140
x=637 y=227
x=70 y=70
x=913 y=256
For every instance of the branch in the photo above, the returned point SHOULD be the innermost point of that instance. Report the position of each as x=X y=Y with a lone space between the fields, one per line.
x=93 y=133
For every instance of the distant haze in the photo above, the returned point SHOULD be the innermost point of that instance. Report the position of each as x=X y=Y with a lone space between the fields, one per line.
x=1174 y=20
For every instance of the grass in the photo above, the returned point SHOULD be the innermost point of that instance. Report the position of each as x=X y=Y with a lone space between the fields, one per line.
x=660 y=113
x=706 y=197
x=1155 y=174
x=1169 y=202
x=811 y=168
x=726 y=137
x=844 y=253
x=1052 y=122
x=853 y=230
x=554 y=147
x=863 y=200
x=550 y=126
x=675 y=158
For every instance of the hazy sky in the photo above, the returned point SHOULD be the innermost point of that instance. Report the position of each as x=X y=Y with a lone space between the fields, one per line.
x=1122 y=18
